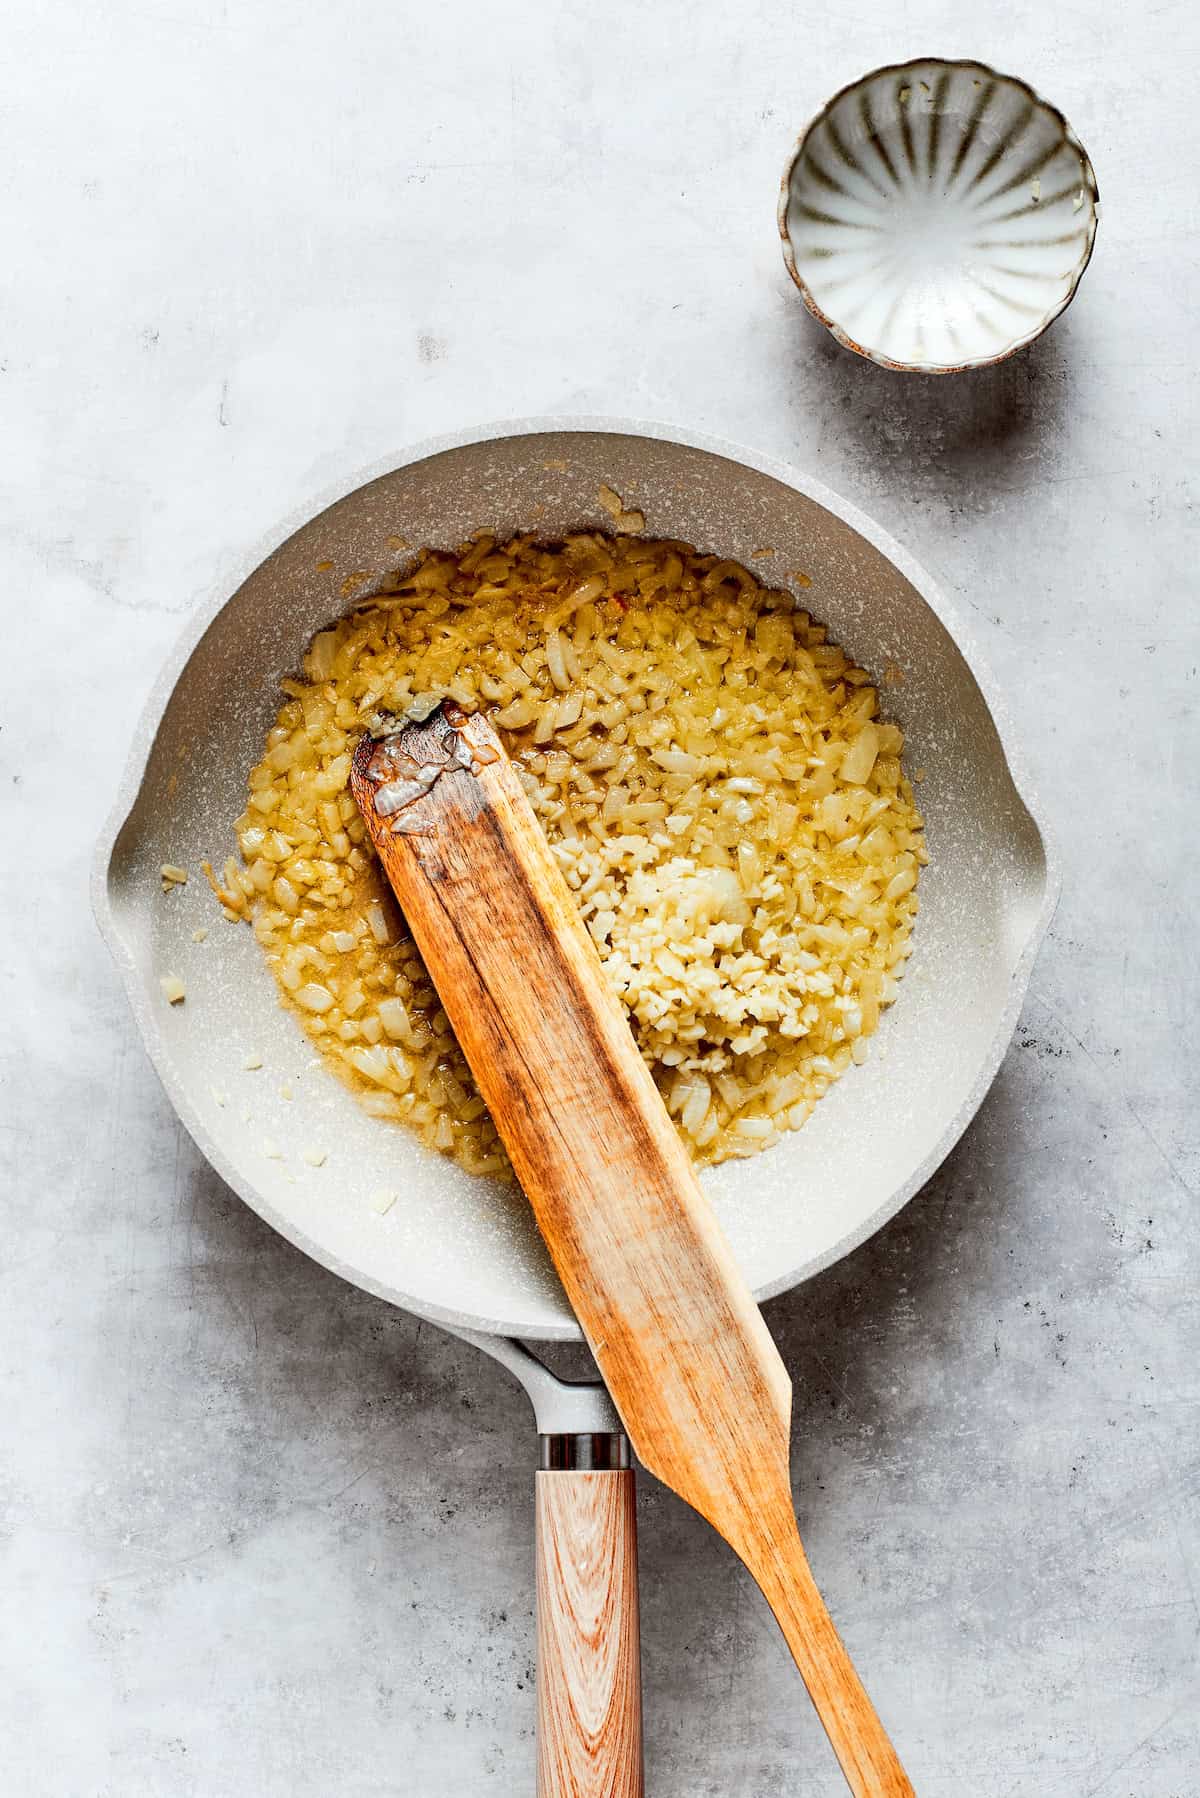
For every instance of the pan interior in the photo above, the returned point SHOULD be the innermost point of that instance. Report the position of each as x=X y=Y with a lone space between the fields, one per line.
x=451 y=1245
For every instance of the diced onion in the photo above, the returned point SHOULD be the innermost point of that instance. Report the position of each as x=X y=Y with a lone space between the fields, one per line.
x=314 y=997
x=727 y=807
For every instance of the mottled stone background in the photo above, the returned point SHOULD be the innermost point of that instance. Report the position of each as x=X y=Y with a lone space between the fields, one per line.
x=263 y=1537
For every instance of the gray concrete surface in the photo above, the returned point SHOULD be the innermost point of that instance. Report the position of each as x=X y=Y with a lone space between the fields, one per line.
x=263 y=1536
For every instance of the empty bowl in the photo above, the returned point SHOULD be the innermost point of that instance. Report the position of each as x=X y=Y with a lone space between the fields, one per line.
x=937 y=216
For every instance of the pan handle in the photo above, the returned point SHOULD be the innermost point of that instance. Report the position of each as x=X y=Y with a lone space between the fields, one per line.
x=589 y=1683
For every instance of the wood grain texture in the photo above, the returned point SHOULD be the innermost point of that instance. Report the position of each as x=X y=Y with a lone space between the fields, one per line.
x=589 y=1692
x=682 y=1346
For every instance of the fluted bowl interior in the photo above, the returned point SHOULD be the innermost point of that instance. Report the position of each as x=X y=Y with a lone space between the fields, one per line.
x=937 y=216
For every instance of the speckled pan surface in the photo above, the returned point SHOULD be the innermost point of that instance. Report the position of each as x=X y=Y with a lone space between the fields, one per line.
x=937 y=216
x=455 y=1248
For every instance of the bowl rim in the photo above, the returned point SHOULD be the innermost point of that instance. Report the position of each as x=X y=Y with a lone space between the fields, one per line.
x=246 y=561
x=898 y=68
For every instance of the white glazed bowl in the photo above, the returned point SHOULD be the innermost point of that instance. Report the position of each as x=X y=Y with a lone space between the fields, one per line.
x=937 y=216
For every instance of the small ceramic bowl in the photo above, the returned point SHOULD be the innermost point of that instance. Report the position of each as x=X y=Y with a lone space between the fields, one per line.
x=937 y=216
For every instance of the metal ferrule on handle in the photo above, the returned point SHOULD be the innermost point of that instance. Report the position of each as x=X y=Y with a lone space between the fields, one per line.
x=578 y=1452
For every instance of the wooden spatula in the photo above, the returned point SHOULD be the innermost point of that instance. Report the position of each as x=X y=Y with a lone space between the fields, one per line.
x=691 y=1367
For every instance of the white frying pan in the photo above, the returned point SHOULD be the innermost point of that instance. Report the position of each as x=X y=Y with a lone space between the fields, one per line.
x=460 y=1250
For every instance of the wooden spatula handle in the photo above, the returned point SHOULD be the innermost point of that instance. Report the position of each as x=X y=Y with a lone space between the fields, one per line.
x=589 y=1691
x=778 y=1562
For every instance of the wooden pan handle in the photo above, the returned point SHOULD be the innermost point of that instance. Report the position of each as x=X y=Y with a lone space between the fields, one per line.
x=589 y=1662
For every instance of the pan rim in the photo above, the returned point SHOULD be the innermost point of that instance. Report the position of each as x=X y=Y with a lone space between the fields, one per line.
x=230 y=580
